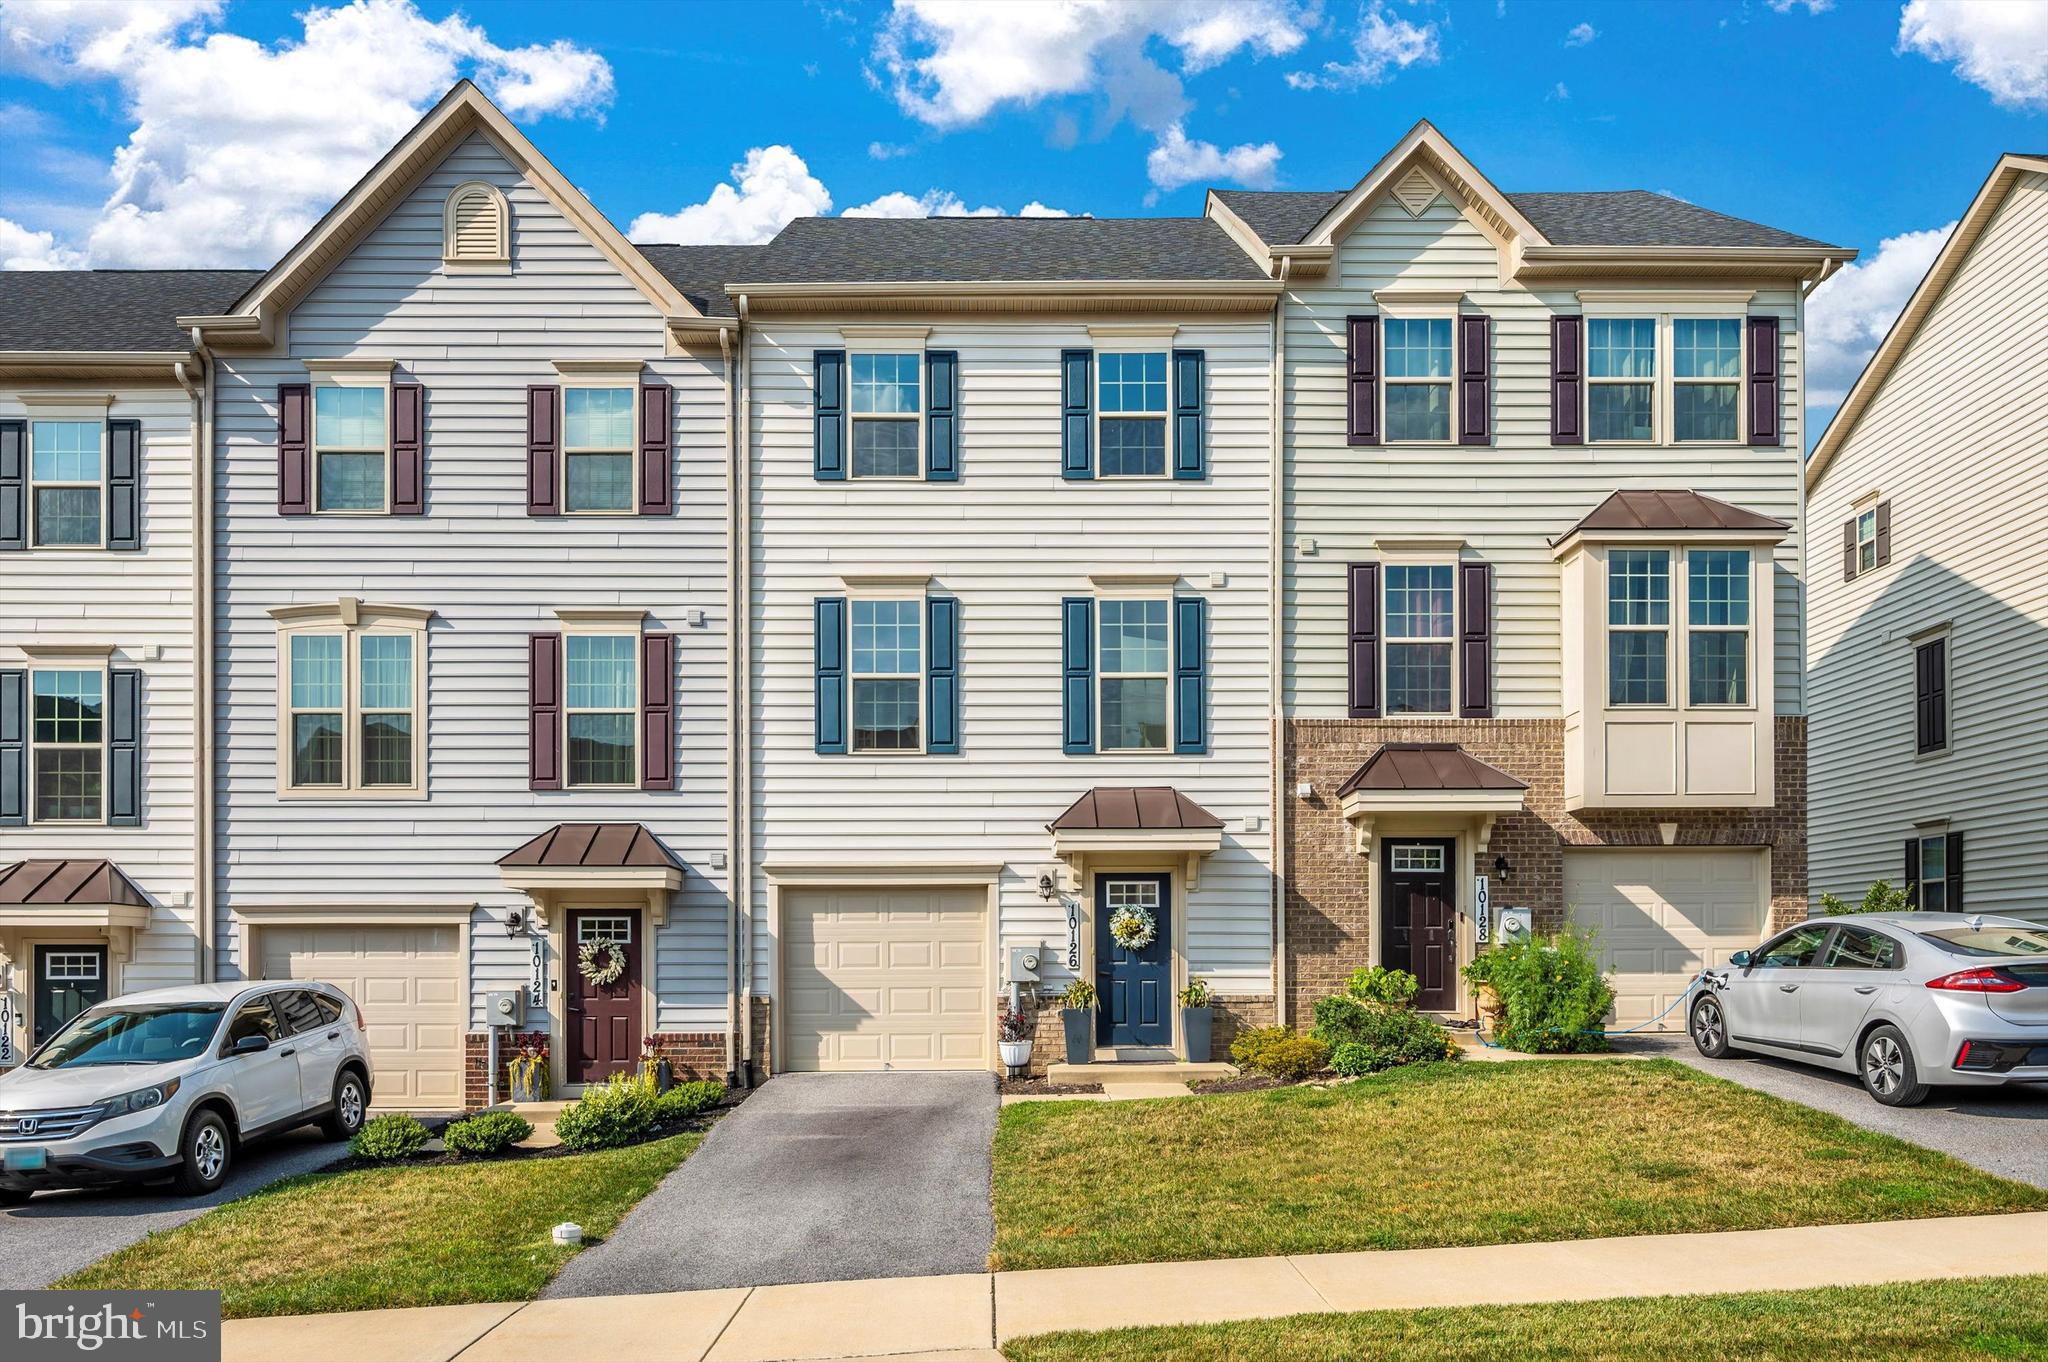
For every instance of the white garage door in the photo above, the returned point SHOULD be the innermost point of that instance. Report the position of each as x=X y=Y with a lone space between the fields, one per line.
x=1663 y=915
x=886 y=978
x=408 y=982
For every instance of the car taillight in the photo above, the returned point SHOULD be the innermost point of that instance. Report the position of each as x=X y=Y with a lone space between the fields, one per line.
x=1983 y=979
x=359 y=1012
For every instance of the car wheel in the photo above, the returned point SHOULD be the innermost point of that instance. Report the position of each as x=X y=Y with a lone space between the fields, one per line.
x=350 y=1103
x=1889 y=1073
x=1710 y=1028
x=206 y=1151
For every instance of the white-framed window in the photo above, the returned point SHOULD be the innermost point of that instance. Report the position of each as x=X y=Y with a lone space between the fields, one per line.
x=592 y=930
x=1638 y=627
x=71 y=967
x=1135 y=681
x=67 y=482
x=1717 y=626
x=1119 y=894
x=598 y=449
x=886 y=408
x=1419 y=637
x=351 y=447
x=1416 y=379
x=602 y=709
x=316 y=709
x=68 y=744
x=1418 y=860
x=1665 y=376
x=1934 y=873
x=1133 y=397
x=1621 y=378
x=1866 y=540
x=353 y=703
x=888 y=673
x=1706 y=378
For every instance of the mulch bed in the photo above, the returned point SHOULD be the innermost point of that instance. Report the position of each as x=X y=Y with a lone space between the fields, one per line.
x=1041 y=1087
x=441 y=1157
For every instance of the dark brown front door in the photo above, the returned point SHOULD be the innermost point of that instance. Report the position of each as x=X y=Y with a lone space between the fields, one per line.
x=1421 y=919
x=604 y=1019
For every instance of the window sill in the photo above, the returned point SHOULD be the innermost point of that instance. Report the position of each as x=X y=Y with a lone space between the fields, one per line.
x=340 y=795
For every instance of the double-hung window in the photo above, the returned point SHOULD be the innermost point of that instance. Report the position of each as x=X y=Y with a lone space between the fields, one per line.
x=1419 y=636
x=1135 y=680
x=1717 y=626
x=1638 y=626
x=351 y=452
x=1418 y=379
x=1866 y=540
x=597 y=449
x=68 y=741
x=1621 y=378
x=317 y=712
x=1934 y=874
x=1132 y=393
x=887 y=414
x=602 y=708
x=352 y=701
x=1706 y=377
x=67 y=466
x=888 y=674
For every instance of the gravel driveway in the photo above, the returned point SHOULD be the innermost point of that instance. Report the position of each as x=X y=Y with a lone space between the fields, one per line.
x=816 y=1177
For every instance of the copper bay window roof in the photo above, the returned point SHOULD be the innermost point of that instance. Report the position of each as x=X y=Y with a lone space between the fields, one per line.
x=1149 y=808
x=1427 y=766
x=592 y=846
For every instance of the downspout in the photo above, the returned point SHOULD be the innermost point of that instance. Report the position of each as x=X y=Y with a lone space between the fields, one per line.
x=732 y=702
x=742 y=563
x=1276 y=644
x=201 y=389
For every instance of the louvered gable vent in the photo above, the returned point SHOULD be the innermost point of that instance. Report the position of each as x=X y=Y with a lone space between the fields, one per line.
x=476 y=226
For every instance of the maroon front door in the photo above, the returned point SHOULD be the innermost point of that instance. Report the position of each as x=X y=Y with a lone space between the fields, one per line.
x=1421 y=920
x=604 y=1019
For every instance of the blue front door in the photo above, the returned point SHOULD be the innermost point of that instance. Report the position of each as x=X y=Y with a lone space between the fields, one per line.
x=1136 y=985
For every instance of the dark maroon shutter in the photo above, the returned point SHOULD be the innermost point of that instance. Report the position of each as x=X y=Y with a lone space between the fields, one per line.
x=1764 y=416
x=1475 y=640
x=1362 y=662
x=294 y=449
x=544 y=712
x=543 y=452
x=1567 y=382
x=658 y=711
x=1362 y=380
x=657 y=468
x=1475 y=381
x=408 y=449
x=1884 y=533
x=1849 y=549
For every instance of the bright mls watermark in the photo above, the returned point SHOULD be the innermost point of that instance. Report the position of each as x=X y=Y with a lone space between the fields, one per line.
x=111 y=1326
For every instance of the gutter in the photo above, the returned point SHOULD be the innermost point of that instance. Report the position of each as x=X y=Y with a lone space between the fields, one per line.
x=742 y=629
x=204 y=898
x=732 y=709
x=1276 y=644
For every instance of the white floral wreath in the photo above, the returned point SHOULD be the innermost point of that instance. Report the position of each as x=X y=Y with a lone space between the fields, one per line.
x=1133 y=927
x=601 y=962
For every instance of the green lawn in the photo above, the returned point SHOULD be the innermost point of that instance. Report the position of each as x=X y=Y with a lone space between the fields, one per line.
x=382 y=1237
x=2002 y=1317
x=1449 y=1154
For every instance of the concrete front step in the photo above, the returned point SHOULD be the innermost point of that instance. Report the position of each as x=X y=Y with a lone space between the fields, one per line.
x=1112 y=1073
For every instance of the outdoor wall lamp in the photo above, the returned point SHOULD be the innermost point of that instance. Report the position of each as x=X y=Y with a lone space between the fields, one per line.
x=1502 y=868
x=514 y=922
x=1047 y=890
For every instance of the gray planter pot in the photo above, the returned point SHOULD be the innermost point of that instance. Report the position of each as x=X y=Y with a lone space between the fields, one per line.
x=1197 y=1024
x=1080 y=1027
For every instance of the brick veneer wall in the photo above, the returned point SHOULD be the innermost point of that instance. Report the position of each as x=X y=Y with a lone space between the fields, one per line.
x=1049 y=1037
x=1329 y=918
x=691 y=1055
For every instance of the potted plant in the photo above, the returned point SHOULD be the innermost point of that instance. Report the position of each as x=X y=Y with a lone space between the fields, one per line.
x=1077 y=1015
x=530 y=1074
x=1197 y=1020
x=654 y=1070
x=1014 y=1040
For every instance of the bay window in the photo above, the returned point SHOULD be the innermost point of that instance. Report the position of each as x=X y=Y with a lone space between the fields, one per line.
x=1717 y=626
x=1638 y=626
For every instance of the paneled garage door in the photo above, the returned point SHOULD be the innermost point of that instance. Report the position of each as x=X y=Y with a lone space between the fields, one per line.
x=886 y=978
x=1663 y=915
x=408 y=981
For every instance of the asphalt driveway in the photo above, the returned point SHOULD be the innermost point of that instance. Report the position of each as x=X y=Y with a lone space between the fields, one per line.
x=60 y=1232
x=816 y=1177
x=2000 y=1130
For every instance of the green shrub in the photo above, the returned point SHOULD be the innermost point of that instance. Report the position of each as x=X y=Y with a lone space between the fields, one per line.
x=1378 y=984
x=1080 y=994
x=1196 y=994
x=490 y=1132
x=1553 y=996
x=1366 y=1037
x=395 y=1136
x=606 y=1117
x=687 y=1099
x=1278 y=1051
x=1881 y=897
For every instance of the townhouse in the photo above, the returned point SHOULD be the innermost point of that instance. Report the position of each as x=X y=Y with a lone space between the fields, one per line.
x=1929 y=615
x=789 y=657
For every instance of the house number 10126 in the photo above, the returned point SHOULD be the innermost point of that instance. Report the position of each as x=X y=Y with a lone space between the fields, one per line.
x=1074 y=936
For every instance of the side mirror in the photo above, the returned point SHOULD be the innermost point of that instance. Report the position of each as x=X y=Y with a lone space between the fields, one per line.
x=251 y=1045
x=1740 y=959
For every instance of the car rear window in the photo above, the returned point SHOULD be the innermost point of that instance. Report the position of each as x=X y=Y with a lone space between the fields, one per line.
x=330 y=1009
x=300 y=1011
x=1990 y=940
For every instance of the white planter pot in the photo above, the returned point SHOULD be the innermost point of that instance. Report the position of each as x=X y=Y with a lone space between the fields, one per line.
x=1016 y=1053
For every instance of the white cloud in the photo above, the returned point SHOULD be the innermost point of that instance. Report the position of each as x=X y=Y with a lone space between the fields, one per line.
x=239 y=146
x=1999 y=46
x=1560 y=91
x=1580 y=35
x=770 y=187
x=939 y=203
x=1810 y=6
x=22 y=249
x=1849 y=314
x=1177 y=161
x=1384 y=44
x=887 y=151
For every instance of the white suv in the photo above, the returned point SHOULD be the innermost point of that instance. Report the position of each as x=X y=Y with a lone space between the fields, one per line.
x=171 y=1083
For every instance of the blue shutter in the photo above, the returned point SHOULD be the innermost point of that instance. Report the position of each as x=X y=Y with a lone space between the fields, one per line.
x=1190 y=675
x=941 y=416
x=13 y=485
x=1077 y=672
x=1190 y=436
x=942 y=675
x=828 y=416
x=829 y=650
x=13 y=747
x=124 y=748
x=1077 y=424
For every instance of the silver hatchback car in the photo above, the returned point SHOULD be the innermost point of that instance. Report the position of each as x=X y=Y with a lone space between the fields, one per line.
x=1906 y=1001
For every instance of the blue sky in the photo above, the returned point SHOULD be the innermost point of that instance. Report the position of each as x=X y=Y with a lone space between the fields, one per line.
x=188 y=132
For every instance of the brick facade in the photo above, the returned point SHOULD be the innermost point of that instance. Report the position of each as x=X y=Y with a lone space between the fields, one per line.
x=1329 y=910
x=1049 y=1039
x=692 y=1055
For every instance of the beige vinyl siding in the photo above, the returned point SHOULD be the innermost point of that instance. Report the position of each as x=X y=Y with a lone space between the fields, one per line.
x=490 y=572
x=1507 y=500
x=1957 y=441
x=142 y=605
x=1009 y=540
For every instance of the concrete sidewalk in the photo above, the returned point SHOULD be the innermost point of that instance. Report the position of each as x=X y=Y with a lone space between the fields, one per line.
x=964 y=1317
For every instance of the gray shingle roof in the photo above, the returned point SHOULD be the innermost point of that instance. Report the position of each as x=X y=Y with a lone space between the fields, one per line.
x=1281 y=217
x=110 y=310
x=1009 y=250
x=702 y=272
